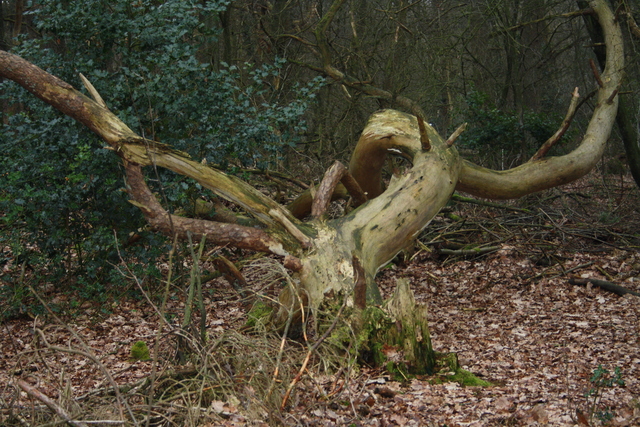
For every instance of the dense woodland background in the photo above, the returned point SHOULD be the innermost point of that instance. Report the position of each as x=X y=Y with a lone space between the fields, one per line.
x=241 y=84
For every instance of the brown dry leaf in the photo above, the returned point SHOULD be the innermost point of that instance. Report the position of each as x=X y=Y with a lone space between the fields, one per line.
x=582 y=419
x=539 y=414
x=503 y=404
x=537 y=339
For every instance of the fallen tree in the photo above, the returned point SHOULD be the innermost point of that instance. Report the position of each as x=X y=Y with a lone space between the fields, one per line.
x=333 y=263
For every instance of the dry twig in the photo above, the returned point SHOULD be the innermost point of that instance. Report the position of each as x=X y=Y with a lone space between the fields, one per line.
x=37 y=394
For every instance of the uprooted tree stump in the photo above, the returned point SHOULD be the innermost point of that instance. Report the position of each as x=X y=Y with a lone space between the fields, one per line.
x=333 y=262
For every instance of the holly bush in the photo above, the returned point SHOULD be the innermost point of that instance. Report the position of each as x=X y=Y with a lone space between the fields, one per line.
x=492 y=129
x=61 y=192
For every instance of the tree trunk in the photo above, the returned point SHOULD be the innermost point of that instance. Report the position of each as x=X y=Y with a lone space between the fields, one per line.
x=626 y=118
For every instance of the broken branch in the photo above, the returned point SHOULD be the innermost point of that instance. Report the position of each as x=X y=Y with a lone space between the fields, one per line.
x=603 y=284
x=424 y=138
x=335 y=174
x=549 y=143
x=596 y=73
x=92 y=91
x=456 y=134
x=37 y=394
x=613 y=95
x=291 y=228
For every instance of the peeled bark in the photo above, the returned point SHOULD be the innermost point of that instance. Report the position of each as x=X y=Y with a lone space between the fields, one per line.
x=382 y=227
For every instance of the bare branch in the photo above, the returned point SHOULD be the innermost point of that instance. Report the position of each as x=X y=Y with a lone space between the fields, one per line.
x=220 y=233
x=37 y=394
x=631 y=22
x=387 y=131
x=232 y=275
x=328 y=68
x=335 y=174
x=571 y=112
x=312 y=349
x=352 y=186
x=304 y=240
x=424 y=138
x=292 y=263
x=456 y=133
x=573 y=14
x=553 y=171
x=136 y=150
x=92 y=91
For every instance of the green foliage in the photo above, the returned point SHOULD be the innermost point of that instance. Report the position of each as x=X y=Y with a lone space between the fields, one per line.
x=492 y=128
x=61 y=194
x=600 y=380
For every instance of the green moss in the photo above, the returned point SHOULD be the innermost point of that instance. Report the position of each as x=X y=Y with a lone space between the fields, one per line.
x=258 y=314
x=378 y=357
x=139 y=351
x=467 y=379
x=398 y=371
x=448 y=370
x=447 y=362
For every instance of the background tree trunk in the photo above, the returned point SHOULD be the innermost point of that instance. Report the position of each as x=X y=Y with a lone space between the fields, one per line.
x=626 y=118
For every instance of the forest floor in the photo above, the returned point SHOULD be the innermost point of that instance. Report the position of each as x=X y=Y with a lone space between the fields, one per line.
x=510 y=314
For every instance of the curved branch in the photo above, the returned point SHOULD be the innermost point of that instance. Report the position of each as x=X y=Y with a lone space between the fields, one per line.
x=549 y=143
x=145 y=152
x=388 y=131
x=221 y=233
x=550 y=172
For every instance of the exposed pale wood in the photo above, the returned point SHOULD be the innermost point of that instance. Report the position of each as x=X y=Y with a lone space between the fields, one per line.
x=378 y=139
x=379 y=229
x=554 y=171
x=292 y=229
x=92 y=91
x=374 y=232
x=335 y=174
x=456 y=133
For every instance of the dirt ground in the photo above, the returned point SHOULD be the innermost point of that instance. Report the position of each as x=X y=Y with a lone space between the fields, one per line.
x=509 y=313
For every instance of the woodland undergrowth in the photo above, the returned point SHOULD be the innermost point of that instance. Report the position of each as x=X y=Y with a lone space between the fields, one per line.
x=206 y=366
